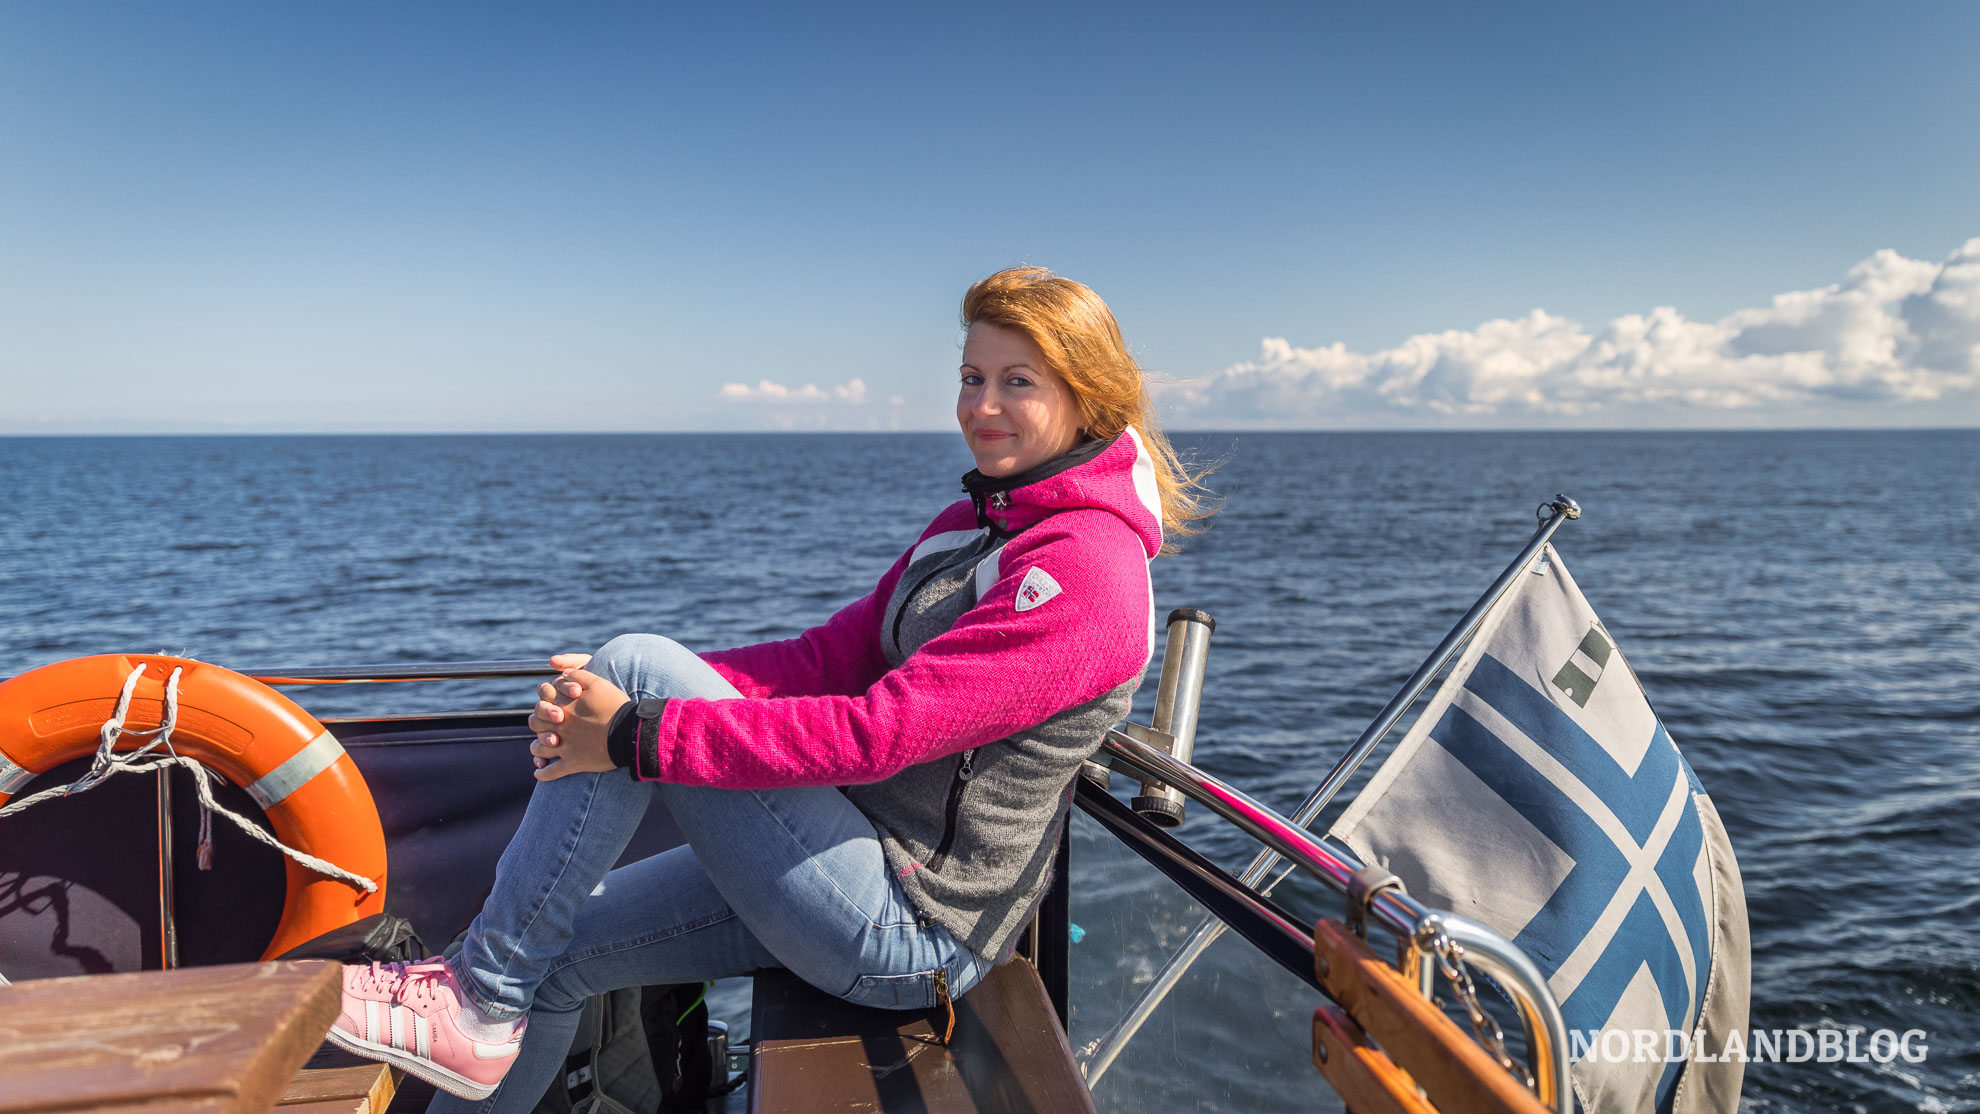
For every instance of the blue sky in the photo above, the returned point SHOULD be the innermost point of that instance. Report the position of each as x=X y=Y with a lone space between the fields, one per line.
x=314 y=216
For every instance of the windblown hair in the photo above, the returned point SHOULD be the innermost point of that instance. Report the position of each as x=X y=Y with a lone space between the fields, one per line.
x=1082 y=345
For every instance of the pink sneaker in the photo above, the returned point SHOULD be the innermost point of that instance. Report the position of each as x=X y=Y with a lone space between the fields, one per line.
x=408 y=1015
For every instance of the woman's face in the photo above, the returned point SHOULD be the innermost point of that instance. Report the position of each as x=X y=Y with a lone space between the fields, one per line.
x=1015 y=414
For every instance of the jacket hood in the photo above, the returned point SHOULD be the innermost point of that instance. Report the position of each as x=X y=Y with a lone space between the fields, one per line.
x=1116 y=476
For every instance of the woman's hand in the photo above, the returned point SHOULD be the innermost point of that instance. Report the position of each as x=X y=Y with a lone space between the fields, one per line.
x=570 y=719
x=564 y=663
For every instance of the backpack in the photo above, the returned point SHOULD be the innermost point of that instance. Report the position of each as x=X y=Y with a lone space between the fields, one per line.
x=379 y=938
x=640 y=1050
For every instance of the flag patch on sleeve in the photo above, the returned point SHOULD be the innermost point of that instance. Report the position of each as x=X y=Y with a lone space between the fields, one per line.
x=1037 y=587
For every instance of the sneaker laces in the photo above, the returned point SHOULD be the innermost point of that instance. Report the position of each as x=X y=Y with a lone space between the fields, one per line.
x=393 y=979
x=420 y=989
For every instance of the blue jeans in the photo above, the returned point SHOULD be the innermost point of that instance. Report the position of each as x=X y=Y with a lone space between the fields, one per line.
x=769 y=878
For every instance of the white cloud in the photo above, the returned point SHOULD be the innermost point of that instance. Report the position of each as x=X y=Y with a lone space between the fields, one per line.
x=852 y=391
x=1895 y=331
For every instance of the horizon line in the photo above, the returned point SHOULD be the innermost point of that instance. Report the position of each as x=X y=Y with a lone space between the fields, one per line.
x=51 y=435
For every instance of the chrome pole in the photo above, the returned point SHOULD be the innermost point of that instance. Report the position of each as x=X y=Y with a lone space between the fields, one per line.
x=1178 y=700
x=1109 y=1045
x=1398 y=913
x=1395 y=912
x=168 y=914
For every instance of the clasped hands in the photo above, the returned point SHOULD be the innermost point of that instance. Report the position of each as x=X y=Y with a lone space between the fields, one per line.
x=570 y=718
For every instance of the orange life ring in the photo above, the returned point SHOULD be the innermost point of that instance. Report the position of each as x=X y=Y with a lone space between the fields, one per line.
x=247 y=732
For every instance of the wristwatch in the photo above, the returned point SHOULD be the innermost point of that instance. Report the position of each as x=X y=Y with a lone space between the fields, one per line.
x=632 y=739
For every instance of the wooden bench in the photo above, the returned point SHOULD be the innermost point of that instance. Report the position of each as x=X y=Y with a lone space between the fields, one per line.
x=205 y=1040
x=812 y=1052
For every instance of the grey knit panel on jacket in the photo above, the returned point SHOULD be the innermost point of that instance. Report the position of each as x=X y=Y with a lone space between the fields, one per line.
x=1008 y=813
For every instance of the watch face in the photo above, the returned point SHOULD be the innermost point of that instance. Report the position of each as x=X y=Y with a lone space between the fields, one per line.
x=650 y=707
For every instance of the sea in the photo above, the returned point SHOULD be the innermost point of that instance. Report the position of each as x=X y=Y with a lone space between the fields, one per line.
x=1803 y=608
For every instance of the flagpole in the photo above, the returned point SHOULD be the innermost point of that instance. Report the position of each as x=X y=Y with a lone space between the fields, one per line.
x=1100 y=1054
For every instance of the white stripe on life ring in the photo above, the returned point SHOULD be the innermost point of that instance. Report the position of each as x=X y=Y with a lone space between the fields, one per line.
x=275 y=786
x=13 y=776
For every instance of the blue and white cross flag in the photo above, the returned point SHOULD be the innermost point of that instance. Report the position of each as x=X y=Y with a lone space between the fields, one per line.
x=1538 y=794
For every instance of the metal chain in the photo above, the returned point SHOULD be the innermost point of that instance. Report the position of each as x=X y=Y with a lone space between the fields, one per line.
x=1431 y=937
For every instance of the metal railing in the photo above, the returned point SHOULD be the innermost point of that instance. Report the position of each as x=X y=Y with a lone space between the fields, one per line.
x=1402 y=915
x=404 y=671
x=1277 y=934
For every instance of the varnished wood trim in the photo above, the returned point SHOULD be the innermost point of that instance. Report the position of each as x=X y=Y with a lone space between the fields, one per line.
x=1458 y=1075
x=360 y=1089
x=1367 y=1081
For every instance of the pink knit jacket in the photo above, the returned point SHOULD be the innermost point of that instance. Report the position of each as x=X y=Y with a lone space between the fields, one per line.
x=826 y=709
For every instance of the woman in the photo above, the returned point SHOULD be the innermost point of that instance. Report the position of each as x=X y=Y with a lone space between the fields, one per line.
x=954 y=704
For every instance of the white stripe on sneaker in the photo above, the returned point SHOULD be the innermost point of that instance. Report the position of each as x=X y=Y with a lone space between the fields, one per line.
x=422 y=1038
x=402 y=1037
x=370 y=1022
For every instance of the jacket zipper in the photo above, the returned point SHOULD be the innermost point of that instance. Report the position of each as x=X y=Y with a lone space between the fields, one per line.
x=963 y=773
